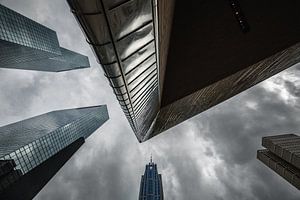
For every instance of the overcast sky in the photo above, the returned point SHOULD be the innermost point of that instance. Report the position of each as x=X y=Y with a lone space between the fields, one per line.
x=209 y=157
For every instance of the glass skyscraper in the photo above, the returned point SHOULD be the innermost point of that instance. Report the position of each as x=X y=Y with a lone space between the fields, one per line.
x=27 y=144
x=151 y=184
x=123 y=36
x=26 y=44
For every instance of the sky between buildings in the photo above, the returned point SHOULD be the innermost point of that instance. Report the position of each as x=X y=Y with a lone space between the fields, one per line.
x=211 y=156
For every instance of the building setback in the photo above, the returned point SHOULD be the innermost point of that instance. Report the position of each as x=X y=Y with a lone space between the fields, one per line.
x=170 y=60
x=33 y=150
x=282 y=155
x=151 y=184
x=26 y=44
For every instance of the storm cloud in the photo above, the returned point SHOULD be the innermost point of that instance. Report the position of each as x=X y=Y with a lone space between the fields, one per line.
x=212 y=156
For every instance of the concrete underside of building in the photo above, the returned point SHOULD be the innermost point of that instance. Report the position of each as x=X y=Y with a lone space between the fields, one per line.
x=209 y=59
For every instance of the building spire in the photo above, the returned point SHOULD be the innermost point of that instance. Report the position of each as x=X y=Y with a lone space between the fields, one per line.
x=151 y=158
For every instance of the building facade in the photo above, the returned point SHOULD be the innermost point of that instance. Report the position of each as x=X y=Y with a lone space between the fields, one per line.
x=166 y=67
x=26 y=146
x=282 y=156
x=26 y=44
x=151 y=187
x=122 y=35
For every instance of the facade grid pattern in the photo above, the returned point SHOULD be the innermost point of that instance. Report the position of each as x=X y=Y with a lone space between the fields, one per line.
x=122 y=35
x=46 y=144
x=26 y=44
x=19 y=29
x=151 y=184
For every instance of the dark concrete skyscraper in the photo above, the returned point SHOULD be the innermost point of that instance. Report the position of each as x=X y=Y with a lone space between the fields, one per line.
x=169 y=60
x=33 y=150
x=283 y=156
x=151 y=184
x=26 y=44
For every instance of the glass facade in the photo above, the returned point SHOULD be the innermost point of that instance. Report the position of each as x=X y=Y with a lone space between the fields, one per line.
x=21 y=30
x=30 y=142
x=26 y=44
x=122 y=34
x=67 y=61
x=151 y=184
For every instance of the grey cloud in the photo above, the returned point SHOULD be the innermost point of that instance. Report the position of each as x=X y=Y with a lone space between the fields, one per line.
x=211 y=156
x=292 y=88
x=237 y=130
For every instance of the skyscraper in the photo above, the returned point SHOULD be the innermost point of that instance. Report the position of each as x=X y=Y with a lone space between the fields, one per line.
x=151 y=184
x=170 y=60
x=282 y=155
x=33 y=150
x=122 y=34
x=26 y=44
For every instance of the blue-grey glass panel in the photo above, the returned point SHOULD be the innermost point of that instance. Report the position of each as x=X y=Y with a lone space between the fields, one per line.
x=151 y=75
x=30 y=142
x=136 y=72
x=112 y=70
x=25 y=44
x=106 y=54
x=145 y=95
x=68 y=60
x=19 y=29
x=148 y=113
x=129 y=16
x=90 y=14
x=143 y=102
x=21 y=57
x=139 y=94
x=138 y=58
x=142 y=80
x=117 y=82
x=151 y=183
x=96 y=26
x=135 y=41
x=121 y=91
x=110 y=4
x=12 y=53
x=89 y=6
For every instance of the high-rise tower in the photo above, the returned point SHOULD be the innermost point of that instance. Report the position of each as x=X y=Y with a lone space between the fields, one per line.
x=26 y=44
x=169 y=60
x=33 y=150
x=282 y=155
x=151 y=184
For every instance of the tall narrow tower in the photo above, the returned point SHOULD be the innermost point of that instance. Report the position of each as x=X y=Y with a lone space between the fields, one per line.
x=151 y=184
